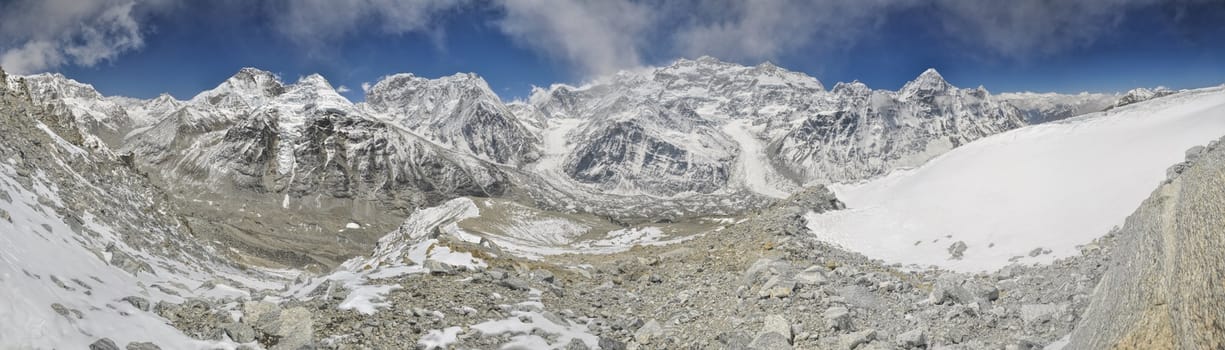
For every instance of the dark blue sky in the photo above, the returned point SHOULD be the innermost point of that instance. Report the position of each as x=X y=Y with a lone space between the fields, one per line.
x=187 y=48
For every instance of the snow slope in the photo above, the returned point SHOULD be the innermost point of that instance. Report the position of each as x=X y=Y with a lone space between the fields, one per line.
x=1051 y=186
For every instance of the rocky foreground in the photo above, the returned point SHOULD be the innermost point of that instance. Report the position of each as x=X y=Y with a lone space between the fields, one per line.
x=763 y=283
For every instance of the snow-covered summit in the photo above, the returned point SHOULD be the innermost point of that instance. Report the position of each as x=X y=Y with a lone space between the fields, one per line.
x=927 y=84
x=242 y=92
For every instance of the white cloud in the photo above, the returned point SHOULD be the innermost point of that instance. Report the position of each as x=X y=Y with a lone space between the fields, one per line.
x=342 y=89
x=597 y=37
x=37 y=35
x=366 y=86
x=764 y=29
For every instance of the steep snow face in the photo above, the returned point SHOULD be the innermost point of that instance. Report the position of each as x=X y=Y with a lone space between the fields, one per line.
x=1042 y=189
x=241 y=93
x=857 y=133
x=458 y=111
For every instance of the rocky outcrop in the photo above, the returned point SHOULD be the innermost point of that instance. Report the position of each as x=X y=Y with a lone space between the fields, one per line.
x=1163 y=289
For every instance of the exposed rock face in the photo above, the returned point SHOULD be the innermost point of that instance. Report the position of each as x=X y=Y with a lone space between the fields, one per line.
x=1163 y=289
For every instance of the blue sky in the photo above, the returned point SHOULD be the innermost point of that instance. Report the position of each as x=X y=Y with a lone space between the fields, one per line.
x=141 y=48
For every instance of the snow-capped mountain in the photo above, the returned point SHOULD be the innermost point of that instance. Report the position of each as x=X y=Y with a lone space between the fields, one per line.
x=460 y=112
x=665 y=130
x=255 y=134
x=694 y=131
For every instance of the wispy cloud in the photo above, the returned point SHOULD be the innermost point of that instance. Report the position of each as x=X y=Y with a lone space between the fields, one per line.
x=320 y=23
x=592 y=37
x=41 y=35
x=765 y=29
x=597 y=37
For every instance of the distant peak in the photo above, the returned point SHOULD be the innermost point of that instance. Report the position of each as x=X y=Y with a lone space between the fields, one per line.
x=700 y=61
x=927 y=83
x=852 y=88
x=932 y=76
x=315 y=80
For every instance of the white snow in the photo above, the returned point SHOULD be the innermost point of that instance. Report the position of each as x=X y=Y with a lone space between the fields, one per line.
x=39 y=247
x=353 y=226
x=528 y=323
x=440 y=339
x=752 y=169
x=1052 y=186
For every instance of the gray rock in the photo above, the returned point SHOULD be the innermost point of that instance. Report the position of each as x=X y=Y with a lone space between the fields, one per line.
x=611 y=344
x=297 y=329
x=838 y=318
x=850 y=341
x=770 y=341
x=734 y=340
x=655 y=278
x=957 y=289
x=576 y=344
x=776 y=287
x=1035 y=252
x=814 y=275
x=440 y=268
x=142 y=346
x=292 y=328
x=60 y=309
x=137 y=302
x=957 y=250
x=104 y=344
x=543 y=275
x=239 y=332
x=914 y=338
x=496 y=275
x=515 y=284
x=650 y=330
x=777 y=324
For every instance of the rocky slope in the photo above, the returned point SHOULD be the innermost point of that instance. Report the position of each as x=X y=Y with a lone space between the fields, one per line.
x=90 y=245
x=1162 y=289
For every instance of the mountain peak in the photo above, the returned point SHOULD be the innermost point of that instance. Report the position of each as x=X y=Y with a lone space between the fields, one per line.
x=930 y=82
x=248 y=87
